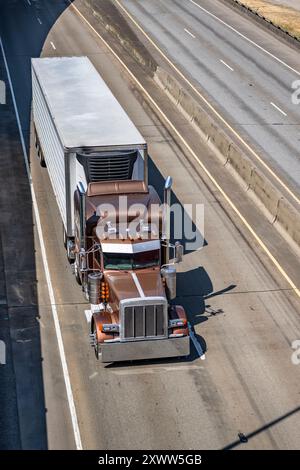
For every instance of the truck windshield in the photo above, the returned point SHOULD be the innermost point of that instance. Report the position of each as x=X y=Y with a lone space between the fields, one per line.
x=130 y=261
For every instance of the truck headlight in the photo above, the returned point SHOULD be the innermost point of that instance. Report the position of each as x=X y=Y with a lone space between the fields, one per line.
x=110 y=328
x=177 y=322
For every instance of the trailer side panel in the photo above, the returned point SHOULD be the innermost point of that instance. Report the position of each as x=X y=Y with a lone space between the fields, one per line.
x=51 y=146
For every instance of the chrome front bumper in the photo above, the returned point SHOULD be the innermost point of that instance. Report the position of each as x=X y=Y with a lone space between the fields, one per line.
x=153 y=349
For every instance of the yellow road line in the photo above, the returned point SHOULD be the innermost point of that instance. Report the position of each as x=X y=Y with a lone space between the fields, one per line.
x=200 y=163
x=211 y=107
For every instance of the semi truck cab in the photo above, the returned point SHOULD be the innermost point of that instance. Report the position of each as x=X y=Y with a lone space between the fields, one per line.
x=132 y=313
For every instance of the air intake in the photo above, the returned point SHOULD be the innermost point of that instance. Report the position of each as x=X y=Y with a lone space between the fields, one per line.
x=108 y=166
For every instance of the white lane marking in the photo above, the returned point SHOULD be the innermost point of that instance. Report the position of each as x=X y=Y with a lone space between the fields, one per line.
x=138 y=285
x=61 y=349
x=208 y=104
x=52 y=44
x=88 y=315
x=39 y=20
x=246 y=38
x=188 y=32
x=29 y=2
x=262 y=245
x=226 y=65
x=278 y=109
x=196 y=343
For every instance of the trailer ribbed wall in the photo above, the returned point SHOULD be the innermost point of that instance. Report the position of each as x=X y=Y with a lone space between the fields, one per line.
x=51 y=146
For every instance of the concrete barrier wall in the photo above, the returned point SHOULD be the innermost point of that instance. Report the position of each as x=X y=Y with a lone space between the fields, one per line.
x=279 y=209
x=289 y=220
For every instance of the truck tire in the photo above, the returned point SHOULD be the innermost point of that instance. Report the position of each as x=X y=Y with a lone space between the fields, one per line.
x=70 y=247
x=97 y=348
x=76 y=273
x=39 y=150
x=42 y=160
x=65 y=242
x=64 y=237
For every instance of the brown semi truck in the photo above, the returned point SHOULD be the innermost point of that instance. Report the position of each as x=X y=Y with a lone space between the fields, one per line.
x=116 y=231
x=121 y=269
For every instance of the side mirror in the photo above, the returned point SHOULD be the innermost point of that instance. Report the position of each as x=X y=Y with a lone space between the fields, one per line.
x=178 y=252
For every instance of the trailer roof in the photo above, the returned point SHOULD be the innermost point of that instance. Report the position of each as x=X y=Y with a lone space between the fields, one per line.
x=85 y=111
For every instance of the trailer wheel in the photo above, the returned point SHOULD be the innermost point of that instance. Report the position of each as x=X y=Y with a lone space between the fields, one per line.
x=42 y=160
x=64 y=237
x=39 y=149
x=40 y=155
x=36 y=141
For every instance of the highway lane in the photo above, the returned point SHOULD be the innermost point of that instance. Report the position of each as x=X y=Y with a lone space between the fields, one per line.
x=251 y=89
x=240 y=307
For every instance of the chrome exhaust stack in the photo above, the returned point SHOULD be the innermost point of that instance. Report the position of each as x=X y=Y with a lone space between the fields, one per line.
x=82 y=202
x=166 y=235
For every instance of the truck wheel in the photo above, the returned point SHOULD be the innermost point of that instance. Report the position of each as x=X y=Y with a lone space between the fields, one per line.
x=40 y=156
x=77 y=274
x=97 y=348
x=70 y=250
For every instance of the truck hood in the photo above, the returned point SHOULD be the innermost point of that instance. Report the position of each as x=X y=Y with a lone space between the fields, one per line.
x=135 y=284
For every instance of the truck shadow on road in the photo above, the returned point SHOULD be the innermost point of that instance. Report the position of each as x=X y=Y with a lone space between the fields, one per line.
x=194 y=288
x=185 y=224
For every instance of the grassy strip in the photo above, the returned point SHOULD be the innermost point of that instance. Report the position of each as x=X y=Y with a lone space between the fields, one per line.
x=280 y=15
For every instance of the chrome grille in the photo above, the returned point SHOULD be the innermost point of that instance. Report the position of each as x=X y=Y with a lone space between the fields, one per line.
x=145 y=320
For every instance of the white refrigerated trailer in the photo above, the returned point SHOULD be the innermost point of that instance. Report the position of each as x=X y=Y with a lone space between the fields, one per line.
x=82 y=133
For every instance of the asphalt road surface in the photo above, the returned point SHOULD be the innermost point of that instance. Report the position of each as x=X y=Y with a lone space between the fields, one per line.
x=228 y=57
x=244 y=312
